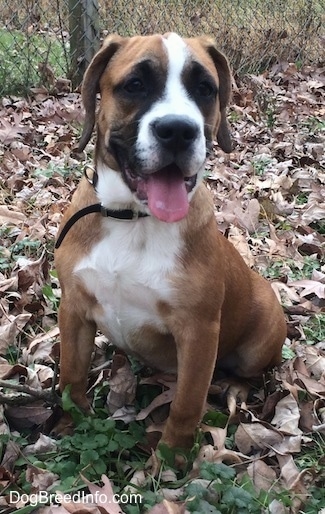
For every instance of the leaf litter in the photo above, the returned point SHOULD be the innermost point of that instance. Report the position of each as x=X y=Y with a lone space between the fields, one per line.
x=269 y=195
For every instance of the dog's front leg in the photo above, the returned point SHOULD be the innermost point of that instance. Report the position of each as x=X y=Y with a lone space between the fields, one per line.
x=196 y=355
x=77 y=342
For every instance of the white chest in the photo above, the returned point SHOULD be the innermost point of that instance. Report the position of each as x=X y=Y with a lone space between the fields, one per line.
x=128 y=272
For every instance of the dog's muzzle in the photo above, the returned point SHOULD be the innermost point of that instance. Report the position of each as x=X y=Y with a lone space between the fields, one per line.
x=162 y=168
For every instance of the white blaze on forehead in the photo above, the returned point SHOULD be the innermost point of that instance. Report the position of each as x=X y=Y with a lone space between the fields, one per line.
x=175 y=97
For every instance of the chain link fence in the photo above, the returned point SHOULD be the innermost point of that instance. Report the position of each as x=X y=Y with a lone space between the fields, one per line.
x=48 y=44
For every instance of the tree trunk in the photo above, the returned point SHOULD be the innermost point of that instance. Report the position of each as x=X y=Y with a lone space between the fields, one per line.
x=84 y=37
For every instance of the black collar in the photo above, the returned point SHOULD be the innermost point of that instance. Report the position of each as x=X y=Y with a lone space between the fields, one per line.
x=123 y=214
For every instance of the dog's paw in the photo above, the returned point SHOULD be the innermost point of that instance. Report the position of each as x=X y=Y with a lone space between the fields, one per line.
x=177 y=458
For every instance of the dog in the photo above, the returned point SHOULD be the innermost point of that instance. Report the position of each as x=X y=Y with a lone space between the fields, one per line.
x=139 y=255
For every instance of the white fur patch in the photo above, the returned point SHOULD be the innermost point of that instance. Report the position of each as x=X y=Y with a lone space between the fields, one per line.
x=128 y=272
x=113 y=192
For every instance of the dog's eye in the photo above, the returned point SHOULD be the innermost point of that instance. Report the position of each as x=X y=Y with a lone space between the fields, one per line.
x=205 y=89
x=134 y=85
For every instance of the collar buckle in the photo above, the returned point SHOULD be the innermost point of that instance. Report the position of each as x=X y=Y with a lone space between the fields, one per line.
x=91 y=175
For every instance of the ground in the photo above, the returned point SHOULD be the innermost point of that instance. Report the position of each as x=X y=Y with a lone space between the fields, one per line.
x=265 y=455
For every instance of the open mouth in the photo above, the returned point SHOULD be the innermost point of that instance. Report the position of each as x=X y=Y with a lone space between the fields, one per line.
x=165 y=191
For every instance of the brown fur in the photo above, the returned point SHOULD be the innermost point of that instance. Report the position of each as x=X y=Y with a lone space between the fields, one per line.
x=222 y=311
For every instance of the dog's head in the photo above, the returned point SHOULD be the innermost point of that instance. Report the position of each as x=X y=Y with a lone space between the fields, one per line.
x=163 y=102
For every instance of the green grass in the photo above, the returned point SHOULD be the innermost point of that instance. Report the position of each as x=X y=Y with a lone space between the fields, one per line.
x=315 y=329
x=292 y=269
x=21 y=54
x=102 y=446
x=12 y=251
x=312 y=458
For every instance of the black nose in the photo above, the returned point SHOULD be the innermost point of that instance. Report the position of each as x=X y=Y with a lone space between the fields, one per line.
x=175 y=133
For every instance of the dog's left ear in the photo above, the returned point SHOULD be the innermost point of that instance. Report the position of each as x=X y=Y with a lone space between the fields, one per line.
x=90 y=84
x=224 y=73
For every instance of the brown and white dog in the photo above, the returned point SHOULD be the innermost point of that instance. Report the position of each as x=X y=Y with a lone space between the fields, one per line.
x=162 y=284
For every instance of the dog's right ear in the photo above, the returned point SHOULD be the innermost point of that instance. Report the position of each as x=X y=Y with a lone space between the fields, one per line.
x=90 y=85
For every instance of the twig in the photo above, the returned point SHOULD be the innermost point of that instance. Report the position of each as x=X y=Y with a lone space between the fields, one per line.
x=17 y=399
x=30 y=394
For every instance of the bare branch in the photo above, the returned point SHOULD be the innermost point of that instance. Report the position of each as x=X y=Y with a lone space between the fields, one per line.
x=30 y=394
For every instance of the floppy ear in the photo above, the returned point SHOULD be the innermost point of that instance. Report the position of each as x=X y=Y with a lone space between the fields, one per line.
x=90 y=85
x=223 y=69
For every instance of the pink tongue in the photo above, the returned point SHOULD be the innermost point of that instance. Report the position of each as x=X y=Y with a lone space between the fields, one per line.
x=167 y=195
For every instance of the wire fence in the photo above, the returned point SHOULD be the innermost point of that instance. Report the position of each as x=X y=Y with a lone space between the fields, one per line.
x=48 y=44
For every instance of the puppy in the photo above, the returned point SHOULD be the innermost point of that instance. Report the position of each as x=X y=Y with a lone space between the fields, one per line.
x=139 y=255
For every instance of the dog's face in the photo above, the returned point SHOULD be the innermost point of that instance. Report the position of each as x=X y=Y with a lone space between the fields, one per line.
x=163 y=102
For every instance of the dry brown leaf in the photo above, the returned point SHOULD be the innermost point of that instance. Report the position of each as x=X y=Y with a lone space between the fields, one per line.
x=277 y=507
x=40 y=479
x=307 y=416
x=163 y=398
x=309 y=287
x=315 y=362
x=287 y=416
x=219 y=453
x=26 y=416
x=239 y=241
x=11 y=216
x=105 y=496
x=43 y=444
x=138 y=480
x=79 y=508
x=218 y=435
x=319 y=416
x=9 y=370
x=262 y=475
x=11 y=327
x=39 y=350
x=291 y=477
x=234 y=213
x=9 y=284
x=314 y=387
x=250 y=437
x=313 y=212
x=210 y=454
x=167 y=507
x=289 y=444
x=10 y=456
x=122 y=384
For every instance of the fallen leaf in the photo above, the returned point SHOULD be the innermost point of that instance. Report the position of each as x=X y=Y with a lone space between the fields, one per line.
x=41 y=479
x=250 y=437
x=167 y=507
x=105 y=496
x=309 y=287
x=287 y=416
x=122 y=384
x=262 y=475
x=161 y=399
x=9 y=330
x=43 y=444
x=27 y=416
